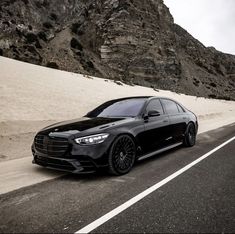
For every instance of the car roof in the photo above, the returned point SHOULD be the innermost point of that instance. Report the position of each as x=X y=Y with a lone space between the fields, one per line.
x=144 y=97
x=133 y=97
x=148 y=98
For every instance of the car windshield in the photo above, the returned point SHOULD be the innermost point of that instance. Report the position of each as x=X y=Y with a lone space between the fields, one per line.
x=119 y=108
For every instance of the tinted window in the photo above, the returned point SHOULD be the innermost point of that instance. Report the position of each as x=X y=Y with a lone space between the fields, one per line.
x=180 y=108
x=155 y=105
x=119 y=108
x=170 y=106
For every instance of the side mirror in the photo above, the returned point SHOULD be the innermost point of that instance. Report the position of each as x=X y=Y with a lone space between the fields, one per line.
x=153 y=113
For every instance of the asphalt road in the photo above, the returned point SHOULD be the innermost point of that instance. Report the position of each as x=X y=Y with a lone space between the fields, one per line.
x=202 y=199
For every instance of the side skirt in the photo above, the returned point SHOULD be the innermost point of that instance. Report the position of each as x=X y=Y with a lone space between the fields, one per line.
x=159 y=151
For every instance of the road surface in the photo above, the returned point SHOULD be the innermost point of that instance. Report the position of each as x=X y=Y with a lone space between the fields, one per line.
x=200 y=199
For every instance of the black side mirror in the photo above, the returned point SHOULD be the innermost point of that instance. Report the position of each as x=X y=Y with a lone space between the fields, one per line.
x=153 y=113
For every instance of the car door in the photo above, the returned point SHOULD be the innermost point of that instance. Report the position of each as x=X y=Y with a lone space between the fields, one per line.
x=156 y=127
x=178 y=119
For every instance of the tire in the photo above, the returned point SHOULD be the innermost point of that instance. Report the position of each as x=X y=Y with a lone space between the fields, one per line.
x=122 y=155
x=190 y=136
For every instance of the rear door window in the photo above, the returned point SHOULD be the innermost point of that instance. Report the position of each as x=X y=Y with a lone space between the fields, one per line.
x=180 y=108
x=170 y=106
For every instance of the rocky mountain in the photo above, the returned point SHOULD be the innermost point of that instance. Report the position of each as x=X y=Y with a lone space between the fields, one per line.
x=134 y=41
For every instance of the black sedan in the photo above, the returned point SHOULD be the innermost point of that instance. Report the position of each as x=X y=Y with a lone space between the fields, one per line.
x=115 y=135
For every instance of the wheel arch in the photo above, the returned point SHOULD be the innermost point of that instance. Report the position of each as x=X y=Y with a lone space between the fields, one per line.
x=130 y=135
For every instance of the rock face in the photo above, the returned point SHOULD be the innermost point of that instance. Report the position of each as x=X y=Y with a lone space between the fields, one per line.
x=134 y=41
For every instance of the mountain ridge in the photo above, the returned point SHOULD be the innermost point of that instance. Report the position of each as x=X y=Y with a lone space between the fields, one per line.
x=134 y=41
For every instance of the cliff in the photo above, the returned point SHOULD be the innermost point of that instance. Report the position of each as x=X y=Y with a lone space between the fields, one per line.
x=135 y=41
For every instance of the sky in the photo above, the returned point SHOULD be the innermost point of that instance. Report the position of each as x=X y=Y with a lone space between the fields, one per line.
x=212 y=22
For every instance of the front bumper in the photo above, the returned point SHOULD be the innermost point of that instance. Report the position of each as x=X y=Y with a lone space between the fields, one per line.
x=67 y=165
x=75 y=159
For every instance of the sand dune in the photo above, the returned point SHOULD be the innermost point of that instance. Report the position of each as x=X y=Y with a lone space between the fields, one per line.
x=32 y=97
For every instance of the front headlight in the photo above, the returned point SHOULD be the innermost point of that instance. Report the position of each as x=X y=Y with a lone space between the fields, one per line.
x=92 y=140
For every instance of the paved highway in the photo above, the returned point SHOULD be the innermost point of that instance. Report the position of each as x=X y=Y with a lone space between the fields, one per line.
x=199 y=199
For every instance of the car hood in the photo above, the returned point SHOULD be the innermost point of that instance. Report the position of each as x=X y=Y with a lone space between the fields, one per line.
x=85 y=124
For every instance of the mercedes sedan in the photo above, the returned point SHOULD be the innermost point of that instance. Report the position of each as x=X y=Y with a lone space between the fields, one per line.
x=114 y=135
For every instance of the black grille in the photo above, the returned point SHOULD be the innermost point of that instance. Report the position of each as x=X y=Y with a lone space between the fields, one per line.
x=56 y=147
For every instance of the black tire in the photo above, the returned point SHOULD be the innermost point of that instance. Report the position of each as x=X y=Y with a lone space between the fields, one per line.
x=190 y=135
x=122 y=155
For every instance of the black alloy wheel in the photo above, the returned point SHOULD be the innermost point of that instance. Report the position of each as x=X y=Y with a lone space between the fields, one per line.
x=190 y=136
x=122 y=155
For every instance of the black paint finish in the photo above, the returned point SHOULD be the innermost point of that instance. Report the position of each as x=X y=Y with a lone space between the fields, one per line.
x=152 y=128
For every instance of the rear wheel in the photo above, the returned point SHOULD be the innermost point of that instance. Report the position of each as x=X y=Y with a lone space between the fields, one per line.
x=122 y=155
x=190 y=136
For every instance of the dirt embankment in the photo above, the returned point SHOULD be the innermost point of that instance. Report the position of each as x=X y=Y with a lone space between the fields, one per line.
x=32 y=97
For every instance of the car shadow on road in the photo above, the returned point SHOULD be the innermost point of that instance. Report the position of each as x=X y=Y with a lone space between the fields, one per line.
x=95 y=176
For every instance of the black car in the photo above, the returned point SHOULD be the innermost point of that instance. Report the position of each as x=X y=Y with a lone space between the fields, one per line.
x=115 y=135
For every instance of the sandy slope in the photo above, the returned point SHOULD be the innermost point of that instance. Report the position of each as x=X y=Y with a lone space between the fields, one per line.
x=32 y=97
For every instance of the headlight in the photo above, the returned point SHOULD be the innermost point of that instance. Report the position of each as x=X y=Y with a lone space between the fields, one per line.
x=92 y=140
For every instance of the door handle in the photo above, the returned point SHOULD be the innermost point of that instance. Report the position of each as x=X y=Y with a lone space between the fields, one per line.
x=165 y=121
x=184 y=117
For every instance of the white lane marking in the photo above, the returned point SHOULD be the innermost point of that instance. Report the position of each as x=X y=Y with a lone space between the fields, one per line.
x=90 y=227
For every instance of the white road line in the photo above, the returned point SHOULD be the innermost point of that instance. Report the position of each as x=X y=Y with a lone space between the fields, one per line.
x=90 y=227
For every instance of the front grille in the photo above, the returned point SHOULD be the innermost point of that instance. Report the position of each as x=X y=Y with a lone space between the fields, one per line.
x=55 y=147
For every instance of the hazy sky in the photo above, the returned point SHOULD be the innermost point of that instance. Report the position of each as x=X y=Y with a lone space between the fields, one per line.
x=210 y=21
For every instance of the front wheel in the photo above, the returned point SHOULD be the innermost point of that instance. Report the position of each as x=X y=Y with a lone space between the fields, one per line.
x=190 y=136
x=122 y=155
